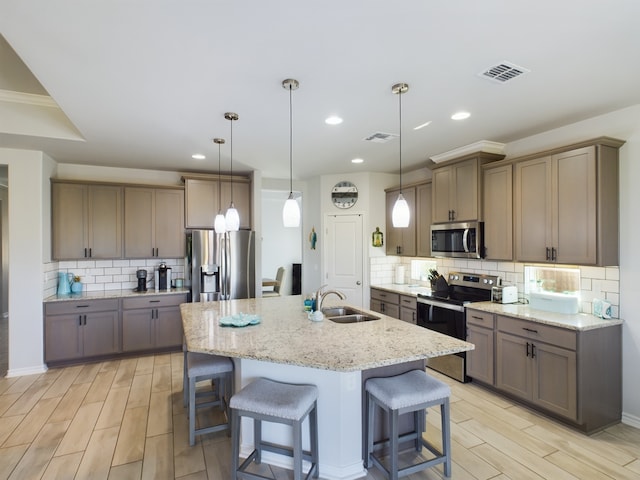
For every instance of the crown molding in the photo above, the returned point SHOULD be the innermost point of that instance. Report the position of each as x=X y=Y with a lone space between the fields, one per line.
x=485 y=146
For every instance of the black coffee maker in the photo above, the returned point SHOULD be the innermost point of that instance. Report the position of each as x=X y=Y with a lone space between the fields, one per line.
x=142 y=280
x=164 y=277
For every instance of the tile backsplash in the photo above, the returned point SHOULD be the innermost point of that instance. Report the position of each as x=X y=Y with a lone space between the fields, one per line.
x=595 y=282
x=100 y=275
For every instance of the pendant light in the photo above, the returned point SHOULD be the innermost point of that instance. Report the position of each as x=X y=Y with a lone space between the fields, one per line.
x=291 y=210
x=219 y=224
x=400 y=214
x=232 y=219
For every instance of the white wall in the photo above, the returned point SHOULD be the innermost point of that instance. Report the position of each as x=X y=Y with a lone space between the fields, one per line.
x=29 y=207
x=281 y=246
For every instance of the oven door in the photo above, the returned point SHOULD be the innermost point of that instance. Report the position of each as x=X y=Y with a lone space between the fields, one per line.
x=449 y=319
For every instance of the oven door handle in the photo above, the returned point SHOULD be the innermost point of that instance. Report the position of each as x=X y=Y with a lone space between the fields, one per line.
x=436 y=303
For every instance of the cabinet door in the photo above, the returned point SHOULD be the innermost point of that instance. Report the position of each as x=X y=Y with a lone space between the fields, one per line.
x=513 y=368
x=497 y=211
x=465 y=190
x=423 y=220
x=394 y=236
x=554 y=379
x=105 y=221
x=169 y=223
x=138 y=330
x=201 y=200
x=139 y=222
x=168 y=327
x=69 y=221
x=533 y=210
x=101 y=333
x=574 y=205
x=401 y=241
x=442 y=181
x=241 y=200
x=63 y=340
x=408 y=315
x=480 y=360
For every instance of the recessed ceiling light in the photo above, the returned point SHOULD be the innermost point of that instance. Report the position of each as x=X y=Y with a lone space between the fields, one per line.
x=425 y=124
x=357 y=160
x=198 y=156
x=460 y=116
x=333 y=120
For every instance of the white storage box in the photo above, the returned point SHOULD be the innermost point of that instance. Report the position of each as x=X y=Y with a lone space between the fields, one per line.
x=554 y=302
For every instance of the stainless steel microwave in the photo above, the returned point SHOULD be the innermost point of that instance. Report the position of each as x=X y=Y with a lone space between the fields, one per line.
x=459 y=240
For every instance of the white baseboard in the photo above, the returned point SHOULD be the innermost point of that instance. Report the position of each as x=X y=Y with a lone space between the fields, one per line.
x=19 y=372
x=630 y=420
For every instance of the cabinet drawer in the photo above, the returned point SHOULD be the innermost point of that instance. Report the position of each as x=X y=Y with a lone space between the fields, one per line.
x=536 y=331
x=407 y=301
x=80 y=306
x=483 y=319
x=385 y=296
x=153 y=301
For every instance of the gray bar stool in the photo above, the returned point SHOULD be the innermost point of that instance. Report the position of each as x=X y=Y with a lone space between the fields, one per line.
x=199 y=367
x=270 y=401
x=410 y=392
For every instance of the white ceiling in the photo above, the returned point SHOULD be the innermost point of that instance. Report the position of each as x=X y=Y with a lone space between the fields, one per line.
x=147 y=83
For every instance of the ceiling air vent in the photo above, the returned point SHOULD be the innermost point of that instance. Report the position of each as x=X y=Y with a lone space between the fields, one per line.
x=503 y=72
x=380 y=137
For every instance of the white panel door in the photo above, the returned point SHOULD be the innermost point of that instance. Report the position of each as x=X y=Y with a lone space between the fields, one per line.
x=343 y=239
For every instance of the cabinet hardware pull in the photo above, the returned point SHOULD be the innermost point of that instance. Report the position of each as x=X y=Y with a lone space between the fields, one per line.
x=533 y=350
x=154 y=301
x=90 y=253
x=85 y=253
x=528 y=349
x=477 y=318
x=79 y=320
x=532 y=330
x=82 y=306
x=548 y=255
x=553 y=254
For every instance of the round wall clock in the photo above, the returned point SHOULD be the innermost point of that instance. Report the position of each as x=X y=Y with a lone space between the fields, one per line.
x=344 y=194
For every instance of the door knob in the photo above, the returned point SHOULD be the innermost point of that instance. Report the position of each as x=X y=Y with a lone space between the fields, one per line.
x=358 y=282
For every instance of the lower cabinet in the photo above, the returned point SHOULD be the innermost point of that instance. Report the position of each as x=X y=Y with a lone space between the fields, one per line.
x=151 y=322
x=574 y=375
x=385 y=302
x=77 y=330
x=480 y=332
x=408 y=309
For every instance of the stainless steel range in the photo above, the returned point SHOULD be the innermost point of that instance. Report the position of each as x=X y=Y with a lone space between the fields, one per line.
x=444 y=312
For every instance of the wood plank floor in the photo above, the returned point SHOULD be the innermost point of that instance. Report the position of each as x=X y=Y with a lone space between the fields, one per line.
x=124 y=420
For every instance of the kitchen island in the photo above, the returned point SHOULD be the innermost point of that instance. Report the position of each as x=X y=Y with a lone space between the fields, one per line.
x=287 y=346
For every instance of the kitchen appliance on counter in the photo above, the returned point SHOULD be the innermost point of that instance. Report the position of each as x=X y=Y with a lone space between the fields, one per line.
x=458 y=240
x=444 y=311
x=222 y=266
x=163 y=277
x=141 y=275
x=504 y=294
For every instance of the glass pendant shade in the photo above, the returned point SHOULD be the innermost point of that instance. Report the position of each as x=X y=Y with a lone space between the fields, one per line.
x=232 y=219
x=291 y=212
x=219 y=223
x=400 y=214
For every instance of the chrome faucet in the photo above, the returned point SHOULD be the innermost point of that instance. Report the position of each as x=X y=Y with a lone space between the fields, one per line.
x=321 y=294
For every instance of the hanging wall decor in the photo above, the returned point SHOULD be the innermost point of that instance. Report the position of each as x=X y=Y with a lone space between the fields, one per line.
x=377 y=238
x=313 y=238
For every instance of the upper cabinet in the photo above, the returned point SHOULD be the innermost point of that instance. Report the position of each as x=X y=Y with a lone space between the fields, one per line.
x=457 y=189
x=497 y=209
x=202 y=199
x=86 y=221
x=154 y=222
x=401 y=241
x=566 y=206
x=423 y=219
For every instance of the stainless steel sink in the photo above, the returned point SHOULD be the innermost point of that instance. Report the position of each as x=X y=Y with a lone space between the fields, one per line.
x=347 y=315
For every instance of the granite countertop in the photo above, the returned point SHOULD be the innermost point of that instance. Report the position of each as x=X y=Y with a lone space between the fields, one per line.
x=113 y=294
x=285 y=335
x=404 y=288
x=578 y=321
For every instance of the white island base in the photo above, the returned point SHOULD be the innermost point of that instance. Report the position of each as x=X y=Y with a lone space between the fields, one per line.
x=340 y=415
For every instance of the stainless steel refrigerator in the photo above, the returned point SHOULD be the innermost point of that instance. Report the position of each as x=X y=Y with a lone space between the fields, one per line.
x=222 y=265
